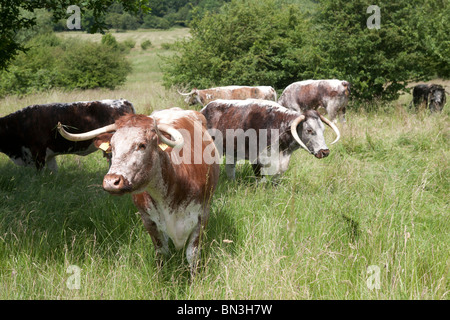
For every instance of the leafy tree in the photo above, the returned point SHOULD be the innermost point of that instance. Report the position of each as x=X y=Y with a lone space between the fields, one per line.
x=247 y=42
x=12 y=18
x=378 y=62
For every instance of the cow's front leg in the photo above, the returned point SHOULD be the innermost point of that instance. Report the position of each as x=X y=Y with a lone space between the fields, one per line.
x=342 y=116
x=160 y=240
x=230 y=169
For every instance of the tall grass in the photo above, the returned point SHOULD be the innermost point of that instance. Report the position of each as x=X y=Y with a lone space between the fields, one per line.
x=380 y=199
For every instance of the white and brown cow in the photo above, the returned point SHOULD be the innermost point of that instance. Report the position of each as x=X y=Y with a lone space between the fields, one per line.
x=204 y=96
x=332 y=95
x=29 y=136
x=171 y=190
x=265 y=133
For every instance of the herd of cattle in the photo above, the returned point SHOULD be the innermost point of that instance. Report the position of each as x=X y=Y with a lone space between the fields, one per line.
x=169 y=161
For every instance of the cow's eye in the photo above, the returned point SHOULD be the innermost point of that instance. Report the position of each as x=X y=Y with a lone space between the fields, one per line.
x=309 y=131
x=142 y=146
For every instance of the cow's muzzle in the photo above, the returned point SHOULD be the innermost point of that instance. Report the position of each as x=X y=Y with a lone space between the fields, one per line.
x=322 y=153
x=116 y=184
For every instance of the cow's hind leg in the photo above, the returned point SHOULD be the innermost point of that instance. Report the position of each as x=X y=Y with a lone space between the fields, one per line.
x=193 y=247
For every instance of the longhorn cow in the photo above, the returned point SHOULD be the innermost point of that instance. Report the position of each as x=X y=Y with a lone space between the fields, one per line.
x=332 y=95
x=173 y=196
x=265 y=133
x=29 y=136
x=203 y=97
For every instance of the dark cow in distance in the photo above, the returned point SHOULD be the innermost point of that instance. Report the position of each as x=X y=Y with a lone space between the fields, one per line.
x=29 y=137
x=265 y=133
x=148 y=161
x=429 y=96
x=204 y=96
x=332 y=95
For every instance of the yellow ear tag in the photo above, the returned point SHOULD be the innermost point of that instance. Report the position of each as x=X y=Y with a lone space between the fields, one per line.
x=104 y=146
x=163 y=146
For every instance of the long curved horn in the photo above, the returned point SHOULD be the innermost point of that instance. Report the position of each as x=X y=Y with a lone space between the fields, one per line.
x=185 y=94
x=87 y=135
x=294 y=125
x=174 y=133
x=332 y=126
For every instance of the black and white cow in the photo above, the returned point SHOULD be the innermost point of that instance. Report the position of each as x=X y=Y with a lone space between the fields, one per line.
x=29 y=136
x=430 y=96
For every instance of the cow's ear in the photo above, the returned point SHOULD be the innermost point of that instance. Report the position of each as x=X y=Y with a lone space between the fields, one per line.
x=103 y=142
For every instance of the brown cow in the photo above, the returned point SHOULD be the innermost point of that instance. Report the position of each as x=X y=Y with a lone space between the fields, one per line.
x=172 y=193
x=203 y=97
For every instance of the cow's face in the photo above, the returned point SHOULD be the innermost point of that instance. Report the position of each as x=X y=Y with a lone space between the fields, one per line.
x=437 y=100
x=192 y=98
x=133 y=150
x=312 y=136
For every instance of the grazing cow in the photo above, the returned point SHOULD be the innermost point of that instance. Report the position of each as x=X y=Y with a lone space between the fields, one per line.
x=203 y=97
x=29 y=136
x=430 y=96
x=171 y=191
x=332 y=95
x=242 y=130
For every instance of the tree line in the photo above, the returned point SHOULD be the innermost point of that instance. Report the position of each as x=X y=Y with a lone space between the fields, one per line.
x=164 y=14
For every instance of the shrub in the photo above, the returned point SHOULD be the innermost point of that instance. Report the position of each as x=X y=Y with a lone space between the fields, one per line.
x=51 y=62
x=129 y=43
x=248 y=42
x=146 y=44
x=109 y=40
x=89 y=65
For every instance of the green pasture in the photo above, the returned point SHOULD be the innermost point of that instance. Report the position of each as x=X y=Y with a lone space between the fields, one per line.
x=371 y=221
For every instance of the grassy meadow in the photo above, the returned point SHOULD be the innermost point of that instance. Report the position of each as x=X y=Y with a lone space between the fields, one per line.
x=371 y=221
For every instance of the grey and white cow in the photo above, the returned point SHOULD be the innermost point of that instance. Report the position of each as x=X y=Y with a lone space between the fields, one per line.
x=265 y=133
x=332 y=95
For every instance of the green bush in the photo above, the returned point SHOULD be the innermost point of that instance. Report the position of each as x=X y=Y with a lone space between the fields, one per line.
x=109 y=40
x=51 y=62
x=146 y=44
x=248 y=42
x=378 y=62
x=129 y=43
x=89 y=65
